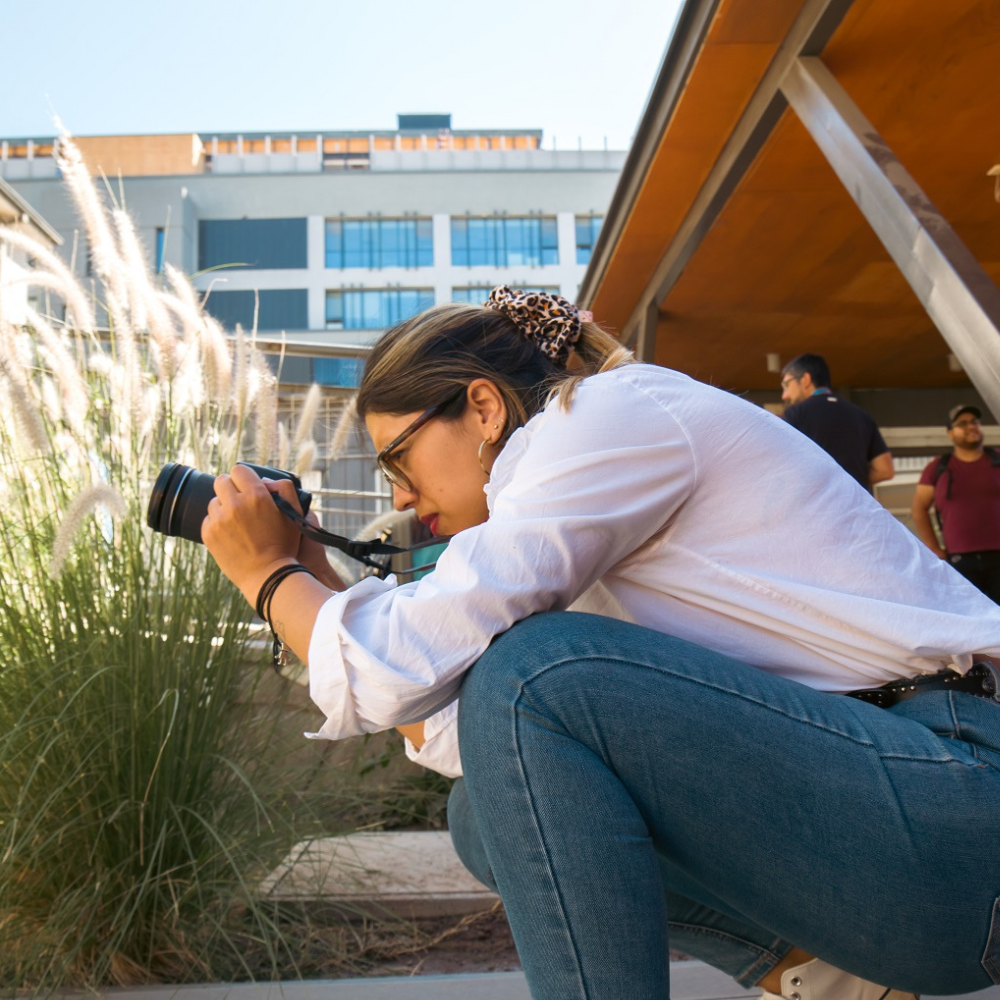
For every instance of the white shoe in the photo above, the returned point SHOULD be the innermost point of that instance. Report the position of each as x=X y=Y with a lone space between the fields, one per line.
x=816 y=980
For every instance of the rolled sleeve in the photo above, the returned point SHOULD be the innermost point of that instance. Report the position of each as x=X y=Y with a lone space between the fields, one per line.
x=440 y=749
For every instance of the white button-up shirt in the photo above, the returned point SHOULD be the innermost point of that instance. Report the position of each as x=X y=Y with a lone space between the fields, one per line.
x=659 y=500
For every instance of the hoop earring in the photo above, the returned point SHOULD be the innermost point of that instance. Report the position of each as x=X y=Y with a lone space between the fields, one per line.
x=483 y=444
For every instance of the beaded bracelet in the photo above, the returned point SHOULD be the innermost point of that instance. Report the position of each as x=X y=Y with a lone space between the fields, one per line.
x=279 y=651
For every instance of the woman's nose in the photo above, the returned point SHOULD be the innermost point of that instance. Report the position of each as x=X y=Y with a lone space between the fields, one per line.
x=402 y=499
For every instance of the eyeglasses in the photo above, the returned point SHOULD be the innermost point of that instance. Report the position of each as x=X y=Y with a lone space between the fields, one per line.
x=971 y=422
x=392 y=472
x=788 y=380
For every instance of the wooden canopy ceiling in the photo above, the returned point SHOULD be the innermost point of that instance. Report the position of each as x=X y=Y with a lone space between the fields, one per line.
x=732 y=237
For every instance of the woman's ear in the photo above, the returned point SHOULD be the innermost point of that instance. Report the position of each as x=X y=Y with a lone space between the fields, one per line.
x=487 y=407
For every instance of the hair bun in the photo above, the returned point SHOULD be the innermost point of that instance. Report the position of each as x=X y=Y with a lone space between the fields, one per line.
x=550 y=321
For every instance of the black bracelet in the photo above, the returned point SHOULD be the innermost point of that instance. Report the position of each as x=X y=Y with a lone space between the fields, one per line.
x=264 y=597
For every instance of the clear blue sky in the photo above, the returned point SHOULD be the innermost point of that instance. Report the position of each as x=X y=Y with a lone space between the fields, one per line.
x=133 y=66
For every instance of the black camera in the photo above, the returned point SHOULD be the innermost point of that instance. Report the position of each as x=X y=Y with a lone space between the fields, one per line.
x=181 y=495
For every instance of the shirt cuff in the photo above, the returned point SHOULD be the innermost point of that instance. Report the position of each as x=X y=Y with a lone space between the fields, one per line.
x=329 y=685
x=440 y=750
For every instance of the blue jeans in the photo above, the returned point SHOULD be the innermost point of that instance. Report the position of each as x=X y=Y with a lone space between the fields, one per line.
x=624 y=788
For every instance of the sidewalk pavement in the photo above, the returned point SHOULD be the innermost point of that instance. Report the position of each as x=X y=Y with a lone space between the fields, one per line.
x=688 y=981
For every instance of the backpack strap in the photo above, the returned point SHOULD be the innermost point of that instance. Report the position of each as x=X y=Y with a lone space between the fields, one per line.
x=939 y=471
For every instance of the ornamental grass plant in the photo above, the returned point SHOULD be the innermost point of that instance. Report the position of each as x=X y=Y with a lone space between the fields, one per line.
x=140 y=798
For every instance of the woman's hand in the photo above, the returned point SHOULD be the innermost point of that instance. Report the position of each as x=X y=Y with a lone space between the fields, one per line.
x=245 y=532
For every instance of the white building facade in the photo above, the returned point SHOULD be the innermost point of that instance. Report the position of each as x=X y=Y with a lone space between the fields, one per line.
x=328 y=238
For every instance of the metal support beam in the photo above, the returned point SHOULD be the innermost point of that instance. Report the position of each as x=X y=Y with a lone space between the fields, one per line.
x=960 y=298
x=645 y=335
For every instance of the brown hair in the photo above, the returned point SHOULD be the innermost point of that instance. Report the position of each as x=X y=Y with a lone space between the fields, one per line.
x=423 y=361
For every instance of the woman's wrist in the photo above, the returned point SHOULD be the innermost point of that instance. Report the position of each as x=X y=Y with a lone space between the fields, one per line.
x=250 y=586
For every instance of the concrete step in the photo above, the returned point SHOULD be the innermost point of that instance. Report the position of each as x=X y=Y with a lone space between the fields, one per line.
x=414 y=874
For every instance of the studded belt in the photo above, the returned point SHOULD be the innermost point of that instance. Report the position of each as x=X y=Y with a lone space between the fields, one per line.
x=982 y=680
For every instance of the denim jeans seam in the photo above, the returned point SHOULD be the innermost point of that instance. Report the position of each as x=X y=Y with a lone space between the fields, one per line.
x=585 y=992
x=766 y=959
x=989 y=962
x=745 y=698
x=692 y=680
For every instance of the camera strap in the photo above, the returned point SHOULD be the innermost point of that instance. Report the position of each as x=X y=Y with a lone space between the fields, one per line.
x=363 y=552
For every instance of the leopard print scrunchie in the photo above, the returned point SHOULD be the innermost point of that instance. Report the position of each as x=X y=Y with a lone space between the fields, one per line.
x=551 y=321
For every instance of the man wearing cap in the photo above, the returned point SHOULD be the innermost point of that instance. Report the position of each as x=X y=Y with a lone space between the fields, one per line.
x=844 y=431
x=964 y=489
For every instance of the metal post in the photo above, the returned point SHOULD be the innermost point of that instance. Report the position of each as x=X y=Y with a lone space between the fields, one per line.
x=960 y=298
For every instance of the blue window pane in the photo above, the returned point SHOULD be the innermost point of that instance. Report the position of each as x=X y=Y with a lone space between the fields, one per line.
x=478 y=294
x=504 y=241
x=277 y=309
x=256 y=243
x=587 y=229
x=378 y=243
x=374 y=309
x=344 y=372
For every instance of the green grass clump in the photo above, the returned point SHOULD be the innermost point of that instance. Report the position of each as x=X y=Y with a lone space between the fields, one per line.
x=139 y=799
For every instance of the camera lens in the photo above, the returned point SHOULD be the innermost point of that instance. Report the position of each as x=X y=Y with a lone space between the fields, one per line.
x=179 y=501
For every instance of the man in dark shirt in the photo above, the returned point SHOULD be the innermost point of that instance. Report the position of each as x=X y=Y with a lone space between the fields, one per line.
x=964 y=489
x=844 y=431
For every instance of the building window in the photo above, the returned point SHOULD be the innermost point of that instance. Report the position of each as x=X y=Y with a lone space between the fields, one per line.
x=161 y=243
x=504 y=241
x=344 y=372
x=257 y=243
x=478 y=294
x=277 y=309
x=374 y=308
x=376 y=243
x=587 y=228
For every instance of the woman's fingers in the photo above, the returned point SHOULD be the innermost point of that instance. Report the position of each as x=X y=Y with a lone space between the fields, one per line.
x=285 y=488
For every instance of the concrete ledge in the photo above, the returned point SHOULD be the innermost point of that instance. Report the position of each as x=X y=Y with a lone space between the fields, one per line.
x=403 y=874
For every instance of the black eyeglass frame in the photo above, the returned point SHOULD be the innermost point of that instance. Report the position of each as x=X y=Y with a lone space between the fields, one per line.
x=392 y=472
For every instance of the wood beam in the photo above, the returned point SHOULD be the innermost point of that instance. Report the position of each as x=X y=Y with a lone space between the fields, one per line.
x=960 y=298
x=812 y=29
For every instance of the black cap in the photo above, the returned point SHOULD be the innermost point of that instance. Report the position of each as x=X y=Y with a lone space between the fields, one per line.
x=956 y=411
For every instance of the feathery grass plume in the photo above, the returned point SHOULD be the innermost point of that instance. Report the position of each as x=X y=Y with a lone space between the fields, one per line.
x=66 y=290
x=75 y=393
x=182 y=302
x=284 y=445
x=188 y=388
x=83 y=505
x=100 y=363
x=152 y=400
x=24 y=407
x=241 y=375
x=81 y=316
x=310 y=408
x=305 y=457
x=217 y=354
x=265 y=409
x=389 y=521
x=104 y=256
x=52 y=404
x=347 y=422
x=109 y=267
x=346 y=570
x=149 y=311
